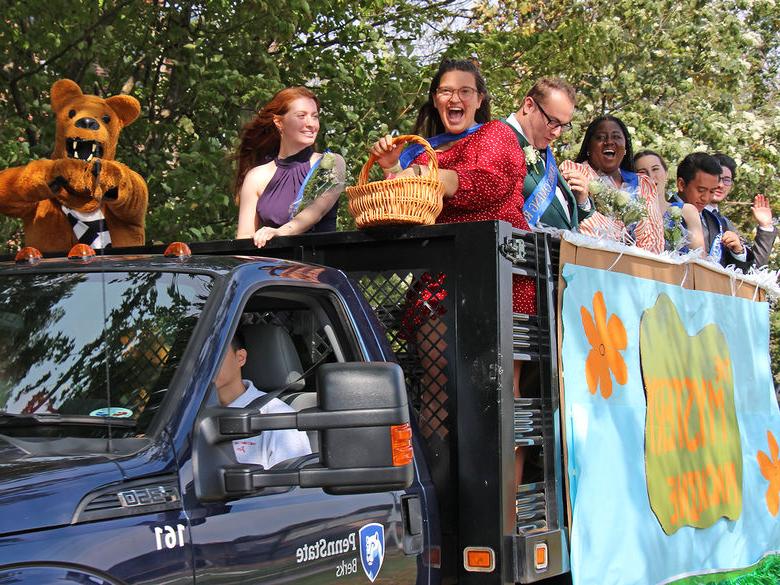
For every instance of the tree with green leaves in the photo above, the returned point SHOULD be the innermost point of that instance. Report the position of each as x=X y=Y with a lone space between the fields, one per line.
x=200 y=69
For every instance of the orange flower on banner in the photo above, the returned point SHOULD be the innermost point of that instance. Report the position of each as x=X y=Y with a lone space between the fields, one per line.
x=770 y=469
x=607 y=340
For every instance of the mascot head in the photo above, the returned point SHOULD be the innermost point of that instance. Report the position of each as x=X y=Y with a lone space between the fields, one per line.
x=88 y=126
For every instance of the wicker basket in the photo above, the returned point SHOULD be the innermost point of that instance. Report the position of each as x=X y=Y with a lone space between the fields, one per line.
x=406 y=200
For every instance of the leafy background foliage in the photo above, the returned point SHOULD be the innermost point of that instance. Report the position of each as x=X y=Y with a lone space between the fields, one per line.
x=683 y=74
x=200 y=69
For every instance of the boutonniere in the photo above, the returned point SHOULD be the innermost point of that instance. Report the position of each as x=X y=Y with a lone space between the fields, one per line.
x=531 y=155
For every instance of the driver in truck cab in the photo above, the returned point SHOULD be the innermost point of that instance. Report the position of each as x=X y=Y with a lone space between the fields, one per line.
x=270 y=447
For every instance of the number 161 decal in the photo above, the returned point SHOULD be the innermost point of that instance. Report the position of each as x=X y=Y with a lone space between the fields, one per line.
x=168 y=536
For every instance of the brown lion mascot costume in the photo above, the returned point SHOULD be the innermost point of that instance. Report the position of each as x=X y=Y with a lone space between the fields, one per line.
x=81 y=194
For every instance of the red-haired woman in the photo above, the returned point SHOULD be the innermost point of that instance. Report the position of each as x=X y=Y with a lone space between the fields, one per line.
x=276 y=158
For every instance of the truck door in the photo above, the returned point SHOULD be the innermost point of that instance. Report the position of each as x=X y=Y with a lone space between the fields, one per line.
x=297 y=535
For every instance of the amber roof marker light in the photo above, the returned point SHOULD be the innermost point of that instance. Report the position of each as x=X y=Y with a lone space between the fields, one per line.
x=28 y=255
x=178 y=250
x=81 y=253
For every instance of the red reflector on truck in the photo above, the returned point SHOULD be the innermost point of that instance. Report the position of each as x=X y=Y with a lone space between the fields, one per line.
x=28 y=255
x=432 y=557
x=479 y=559
x=401 y=439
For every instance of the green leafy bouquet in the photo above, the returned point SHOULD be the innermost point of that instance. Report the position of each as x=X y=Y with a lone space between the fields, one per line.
x=674 y=232
x=323 y=179
x=618 y=204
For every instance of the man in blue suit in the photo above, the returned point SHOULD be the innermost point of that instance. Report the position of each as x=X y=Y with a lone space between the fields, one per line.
x=550 y=198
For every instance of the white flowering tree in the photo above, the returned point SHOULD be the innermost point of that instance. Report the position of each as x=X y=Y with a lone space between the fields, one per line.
x=684 y=75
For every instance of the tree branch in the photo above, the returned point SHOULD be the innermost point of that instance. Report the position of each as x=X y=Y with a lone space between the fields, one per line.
x=102 y=21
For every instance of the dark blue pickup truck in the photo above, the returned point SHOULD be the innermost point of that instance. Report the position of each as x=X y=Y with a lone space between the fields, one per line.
x=393 y=351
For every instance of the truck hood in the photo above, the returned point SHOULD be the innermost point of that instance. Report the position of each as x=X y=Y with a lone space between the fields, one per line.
x=44 y=491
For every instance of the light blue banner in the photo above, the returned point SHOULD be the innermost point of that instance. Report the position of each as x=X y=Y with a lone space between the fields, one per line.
x=616 y=535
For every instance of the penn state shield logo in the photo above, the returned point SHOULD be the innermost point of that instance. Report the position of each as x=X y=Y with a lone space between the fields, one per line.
x=372 y=548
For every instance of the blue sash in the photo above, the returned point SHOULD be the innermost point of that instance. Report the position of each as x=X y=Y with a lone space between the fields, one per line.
x=633 y=182
x=543 y=194
x=716 y=248
x=630 y=183
x=299 y=197
x=413 y=151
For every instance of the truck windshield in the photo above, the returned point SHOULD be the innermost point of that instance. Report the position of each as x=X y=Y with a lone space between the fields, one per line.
x=81 y=352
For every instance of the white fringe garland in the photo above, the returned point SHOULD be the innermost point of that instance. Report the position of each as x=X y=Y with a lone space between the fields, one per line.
x=762 y=278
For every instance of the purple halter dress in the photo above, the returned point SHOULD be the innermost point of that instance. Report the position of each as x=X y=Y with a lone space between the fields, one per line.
x=274 y=204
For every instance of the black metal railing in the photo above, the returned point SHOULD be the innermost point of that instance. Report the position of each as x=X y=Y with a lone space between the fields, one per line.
x=531 y=507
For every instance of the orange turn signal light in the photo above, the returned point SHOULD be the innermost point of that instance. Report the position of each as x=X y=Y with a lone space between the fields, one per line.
x=177 y=250
x=540 y=556
x=81 y=252
x=479 y=559
x=401 y=439
x=28 y=255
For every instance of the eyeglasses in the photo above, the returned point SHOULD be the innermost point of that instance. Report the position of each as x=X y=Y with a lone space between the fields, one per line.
x=464 y=93
x=551 y=122
x=727 y=181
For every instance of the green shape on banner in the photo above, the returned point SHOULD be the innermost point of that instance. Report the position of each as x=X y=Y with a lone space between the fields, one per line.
x=693 y=452
x=764 y=572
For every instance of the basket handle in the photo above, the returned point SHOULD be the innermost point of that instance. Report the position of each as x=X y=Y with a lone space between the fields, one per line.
x=433 y=163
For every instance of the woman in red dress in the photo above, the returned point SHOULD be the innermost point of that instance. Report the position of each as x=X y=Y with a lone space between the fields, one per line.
x=483 y=169
x=480 y=161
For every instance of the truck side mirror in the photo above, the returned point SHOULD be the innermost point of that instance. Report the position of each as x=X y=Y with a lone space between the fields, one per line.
x=363 y=426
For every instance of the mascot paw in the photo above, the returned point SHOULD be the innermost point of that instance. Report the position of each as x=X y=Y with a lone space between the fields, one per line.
x=74 y=177
x=113 y=180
